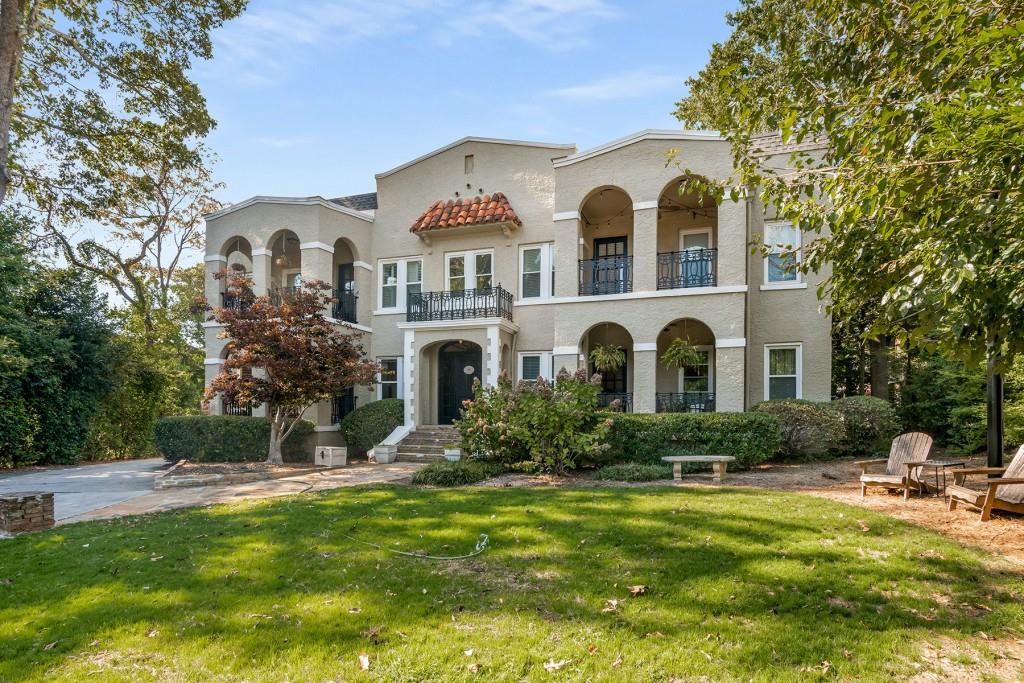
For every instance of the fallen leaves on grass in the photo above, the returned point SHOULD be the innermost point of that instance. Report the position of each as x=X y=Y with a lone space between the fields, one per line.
x=50 y=646
x=364 y=661
x=637 y=590
x=551 y=665
x=611 y=605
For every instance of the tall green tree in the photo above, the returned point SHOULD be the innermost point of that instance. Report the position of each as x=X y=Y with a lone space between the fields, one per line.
x=91 y=90
x=916 y=196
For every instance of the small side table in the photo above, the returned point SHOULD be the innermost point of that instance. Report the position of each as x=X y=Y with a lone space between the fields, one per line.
x=940 y=466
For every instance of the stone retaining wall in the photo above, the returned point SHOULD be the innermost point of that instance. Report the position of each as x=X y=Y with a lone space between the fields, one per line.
x=28 y=511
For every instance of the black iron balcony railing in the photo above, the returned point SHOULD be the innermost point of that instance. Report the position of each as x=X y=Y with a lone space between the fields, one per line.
x=609 y=275
x=342 y=406
x=620 y=402
x=344 y=306
x=690 y=268
x=464 y=304
x=235 y=300
x=232 y=408
x=278 y=295
x=685 y=402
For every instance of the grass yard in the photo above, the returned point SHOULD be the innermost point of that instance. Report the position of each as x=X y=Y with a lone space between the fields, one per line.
x=740 y=585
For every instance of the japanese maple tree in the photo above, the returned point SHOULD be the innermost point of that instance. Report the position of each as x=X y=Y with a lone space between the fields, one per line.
x=287 y=354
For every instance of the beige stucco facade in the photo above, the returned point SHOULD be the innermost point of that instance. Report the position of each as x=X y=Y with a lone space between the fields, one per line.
x=625 y=259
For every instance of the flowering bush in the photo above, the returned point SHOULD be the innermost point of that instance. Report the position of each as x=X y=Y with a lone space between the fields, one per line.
x=552 y=425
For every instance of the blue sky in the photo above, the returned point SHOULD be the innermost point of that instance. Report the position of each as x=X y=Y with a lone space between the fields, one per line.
x=314 y=97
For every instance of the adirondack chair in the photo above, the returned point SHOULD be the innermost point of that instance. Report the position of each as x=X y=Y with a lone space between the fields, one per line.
x=902 y=467
x=1005 y=493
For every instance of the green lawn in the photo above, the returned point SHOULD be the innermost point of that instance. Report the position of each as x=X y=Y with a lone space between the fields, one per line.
x=741 y=585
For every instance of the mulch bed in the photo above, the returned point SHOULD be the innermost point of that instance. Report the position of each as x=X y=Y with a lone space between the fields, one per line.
x=197 y=468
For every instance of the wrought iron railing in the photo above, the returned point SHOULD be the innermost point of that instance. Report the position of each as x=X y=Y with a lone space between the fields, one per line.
x=620 y=402
x=235 y=300
x=278 y=295
x=463 y=304
x=342 y=406
x=344 y=306
x=232 y=408
x=609 y=275
x=685 y=402
x=690 y=268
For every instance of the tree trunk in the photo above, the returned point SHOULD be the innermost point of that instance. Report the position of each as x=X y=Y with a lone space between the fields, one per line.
x=276 y=437
x=994 y=400
x=879 y=349
x=11 y=45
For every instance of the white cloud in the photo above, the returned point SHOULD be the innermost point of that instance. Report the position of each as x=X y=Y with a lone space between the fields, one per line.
x=620 y=86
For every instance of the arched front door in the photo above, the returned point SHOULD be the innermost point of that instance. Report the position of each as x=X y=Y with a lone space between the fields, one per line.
x=459 y=364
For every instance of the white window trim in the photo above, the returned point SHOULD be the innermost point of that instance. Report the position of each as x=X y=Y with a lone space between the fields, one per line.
x=469 y=265
x=402 y=291
x=545 y=364
x=399 y=377
x=697 y=231
x=799 y=366
x=711 y=369
x=547 y=264
x=798 y=248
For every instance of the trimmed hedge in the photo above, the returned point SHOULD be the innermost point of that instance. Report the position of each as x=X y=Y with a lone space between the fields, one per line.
x=806 y=428
x=227 y=438
x=633 y=471
x=751 y=438
x=869 y=424
x=368 y=425
x=458 y=473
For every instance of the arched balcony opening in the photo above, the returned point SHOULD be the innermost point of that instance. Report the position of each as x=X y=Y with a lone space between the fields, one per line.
x=285 y=266
x=599 y=343
x=687 y=238
x=606 y=242
x=687 y=387
x=237 y=253
x=346 y=294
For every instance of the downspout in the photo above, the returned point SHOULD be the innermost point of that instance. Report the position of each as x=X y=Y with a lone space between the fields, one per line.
x=746 y=306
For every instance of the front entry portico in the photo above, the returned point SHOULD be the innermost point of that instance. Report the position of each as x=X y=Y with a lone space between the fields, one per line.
x=459 y=364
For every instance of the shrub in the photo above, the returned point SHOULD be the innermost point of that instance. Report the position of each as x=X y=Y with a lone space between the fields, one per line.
x=458 y=473
x=368 y=425
x=751 y=438
x=869 y=423
x=634 y=471
x=806 y=428
x=969 y=428
x=555 y=425
x=227 y=438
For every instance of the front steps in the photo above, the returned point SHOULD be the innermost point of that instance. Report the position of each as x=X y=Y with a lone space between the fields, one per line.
x=427 y=443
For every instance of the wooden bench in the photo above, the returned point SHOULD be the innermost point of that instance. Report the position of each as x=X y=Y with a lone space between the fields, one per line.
x=719 y=463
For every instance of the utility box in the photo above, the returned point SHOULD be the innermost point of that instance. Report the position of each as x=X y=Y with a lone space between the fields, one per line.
x=331 y=456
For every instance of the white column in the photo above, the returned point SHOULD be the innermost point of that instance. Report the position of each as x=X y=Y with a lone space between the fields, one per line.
x=645 y=370
x=732 y=242
x=317 y=262
x=212 y=286
x=645 y=247
x=730 y=370
x=409 y=369
x=260 y=271
x=493 y=355
x=567 y=254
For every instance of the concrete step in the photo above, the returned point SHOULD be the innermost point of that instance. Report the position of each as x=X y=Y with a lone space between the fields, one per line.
x=411 y=457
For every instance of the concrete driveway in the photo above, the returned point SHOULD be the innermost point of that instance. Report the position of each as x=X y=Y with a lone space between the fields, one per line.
x=79 y=490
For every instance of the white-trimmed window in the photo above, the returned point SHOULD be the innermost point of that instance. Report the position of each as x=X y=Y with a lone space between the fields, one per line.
x=470 y=270
x=700 y=377
x=536 y=271
x=783 y=243
x=389 y=379
x=398 y=279
x=534 y=364
x=783 y=371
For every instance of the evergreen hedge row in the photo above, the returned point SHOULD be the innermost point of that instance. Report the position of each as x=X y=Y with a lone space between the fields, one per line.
x=227 y=438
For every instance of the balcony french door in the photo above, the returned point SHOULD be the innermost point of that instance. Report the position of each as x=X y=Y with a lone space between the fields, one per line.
x=610 y=271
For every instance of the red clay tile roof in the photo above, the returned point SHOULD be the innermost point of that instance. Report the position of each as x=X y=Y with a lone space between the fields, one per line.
x=491 y=208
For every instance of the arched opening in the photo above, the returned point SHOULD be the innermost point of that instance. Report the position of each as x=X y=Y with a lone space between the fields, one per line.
x=345 y=292
x=687 y=237
x=606 y=242
x=459 y=364
x=686 y=385
x=232 y=407
x=238 y=261
x=285 y=264
x=608 y=349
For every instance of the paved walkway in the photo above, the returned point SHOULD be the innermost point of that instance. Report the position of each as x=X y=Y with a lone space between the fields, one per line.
x=80 y=490
x=311 y=480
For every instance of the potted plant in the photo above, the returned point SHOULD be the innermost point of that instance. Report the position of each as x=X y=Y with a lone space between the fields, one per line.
x=681 y=353
x=384 y=455
x=452 y=452
x=607 y=358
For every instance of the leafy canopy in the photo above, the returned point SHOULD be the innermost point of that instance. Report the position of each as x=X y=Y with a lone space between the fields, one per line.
x=915 y=192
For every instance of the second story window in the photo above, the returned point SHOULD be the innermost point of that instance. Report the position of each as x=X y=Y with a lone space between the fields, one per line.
x=398 y=279
x=536 y=280
x=783 y=242
x=470 y=270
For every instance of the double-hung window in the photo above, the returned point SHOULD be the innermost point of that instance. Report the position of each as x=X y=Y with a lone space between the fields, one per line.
x=783 y=244
x=537 y=275
x=699 y=377
x=398 y=279
x=783 y=371
x=470 y=270
x=389 y=380
x=534 y=364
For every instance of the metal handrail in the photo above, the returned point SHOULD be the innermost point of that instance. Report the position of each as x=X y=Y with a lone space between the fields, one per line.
x=685 y=402
x=624 y=401
x=689 y=268
x=606 y=275
x=460 y=304
x=344 y=307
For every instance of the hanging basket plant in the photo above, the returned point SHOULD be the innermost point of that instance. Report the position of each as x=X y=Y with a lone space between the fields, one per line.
x=607 y=358
x=681 y=353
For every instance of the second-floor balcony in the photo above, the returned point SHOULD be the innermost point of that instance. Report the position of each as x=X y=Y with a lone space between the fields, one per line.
x=606 y=275
x=462 y=304
x=690 y=268
x=344 y=307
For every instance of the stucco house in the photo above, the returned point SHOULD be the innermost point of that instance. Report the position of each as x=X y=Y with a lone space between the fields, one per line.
x=500 y=255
